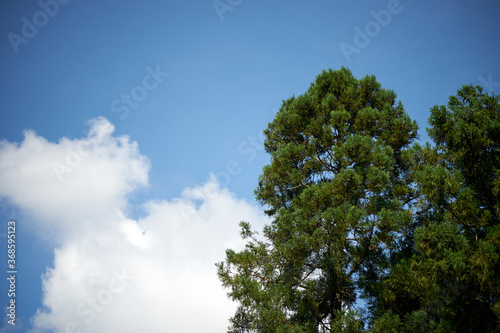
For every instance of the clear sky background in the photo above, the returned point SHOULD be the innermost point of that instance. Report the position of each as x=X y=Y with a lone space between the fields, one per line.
x=132 y=136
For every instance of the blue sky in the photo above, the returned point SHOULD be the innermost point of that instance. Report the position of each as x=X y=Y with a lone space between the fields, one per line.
x=202 y=83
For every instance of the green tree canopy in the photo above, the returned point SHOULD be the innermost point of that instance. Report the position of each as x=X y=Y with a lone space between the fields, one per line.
x=450 y=279
x=337 y=191
x=359 y=212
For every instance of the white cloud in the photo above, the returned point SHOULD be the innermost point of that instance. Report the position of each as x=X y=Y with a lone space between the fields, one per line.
x=84 y=181
x=111 y=273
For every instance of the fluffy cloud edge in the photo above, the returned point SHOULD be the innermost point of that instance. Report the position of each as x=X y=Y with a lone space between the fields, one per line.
x=112 y=273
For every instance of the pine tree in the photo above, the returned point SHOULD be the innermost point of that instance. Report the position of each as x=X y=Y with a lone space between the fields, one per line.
x=449 y=278
x=338 y=190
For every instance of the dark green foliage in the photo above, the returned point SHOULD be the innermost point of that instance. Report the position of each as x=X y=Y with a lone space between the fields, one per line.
x=359 y=212
x=336 y=189
x=451 y=280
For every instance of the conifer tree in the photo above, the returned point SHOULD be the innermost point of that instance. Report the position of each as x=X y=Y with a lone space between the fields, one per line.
x=338 y=190
x=449 y=278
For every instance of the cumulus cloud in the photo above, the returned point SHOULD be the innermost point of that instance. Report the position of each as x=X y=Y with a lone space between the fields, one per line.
x=73 y=185
x=112 y=273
